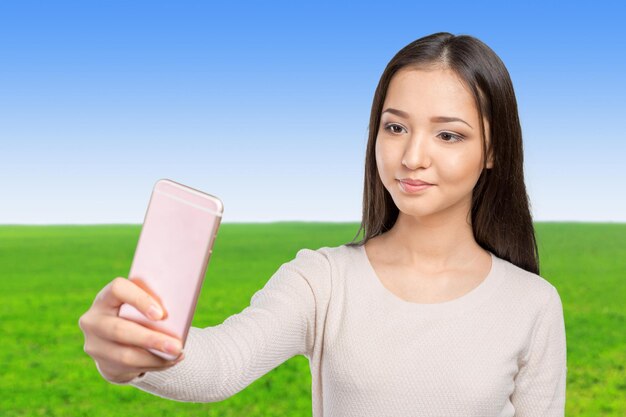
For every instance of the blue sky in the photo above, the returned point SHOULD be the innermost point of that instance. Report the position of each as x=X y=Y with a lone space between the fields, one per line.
x=266 y=105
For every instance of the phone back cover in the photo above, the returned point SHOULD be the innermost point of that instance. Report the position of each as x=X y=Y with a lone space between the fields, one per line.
x=173 y=252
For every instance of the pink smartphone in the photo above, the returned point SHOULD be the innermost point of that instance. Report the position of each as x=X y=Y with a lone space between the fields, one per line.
x=172 y=255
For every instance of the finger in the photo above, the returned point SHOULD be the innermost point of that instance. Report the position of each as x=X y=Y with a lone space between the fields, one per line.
x=128 y=332
x=121 y=290
x=114 y=358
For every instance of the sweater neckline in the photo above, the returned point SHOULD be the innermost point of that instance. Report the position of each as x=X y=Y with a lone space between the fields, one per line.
x=472 y=298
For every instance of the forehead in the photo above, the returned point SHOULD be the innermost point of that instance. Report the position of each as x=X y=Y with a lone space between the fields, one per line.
x=430 y=92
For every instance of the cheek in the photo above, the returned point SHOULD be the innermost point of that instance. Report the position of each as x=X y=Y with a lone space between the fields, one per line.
x=385 y=161
x=460 y=167
x=380 y=162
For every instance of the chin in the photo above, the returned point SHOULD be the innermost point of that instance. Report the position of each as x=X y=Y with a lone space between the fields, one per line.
x=415 y=209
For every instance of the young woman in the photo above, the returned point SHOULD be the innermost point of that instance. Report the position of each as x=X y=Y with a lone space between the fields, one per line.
x=438 y=311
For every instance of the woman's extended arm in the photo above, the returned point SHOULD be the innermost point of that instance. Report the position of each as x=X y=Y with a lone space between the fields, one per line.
x=279 y=323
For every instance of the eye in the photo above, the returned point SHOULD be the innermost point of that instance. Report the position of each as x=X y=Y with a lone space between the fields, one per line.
x=455 y=138
x=446 y=136
x=390 y=127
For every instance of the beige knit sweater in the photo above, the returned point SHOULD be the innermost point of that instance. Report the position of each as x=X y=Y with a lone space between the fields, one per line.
x=497 y=351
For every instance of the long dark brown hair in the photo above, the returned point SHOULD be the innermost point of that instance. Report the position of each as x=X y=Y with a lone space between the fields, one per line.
x=500 y=212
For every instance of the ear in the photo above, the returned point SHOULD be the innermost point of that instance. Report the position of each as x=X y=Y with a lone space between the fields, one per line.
x=490 y=160
x=489 y=155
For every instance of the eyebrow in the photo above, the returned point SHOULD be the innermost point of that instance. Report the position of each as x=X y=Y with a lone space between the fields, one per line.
x=438 y=119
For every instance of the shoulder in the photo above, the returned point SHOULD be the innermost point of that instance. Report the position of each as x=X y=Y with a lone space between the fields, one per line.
x=532 y=302
x=327 y=263
x=318 y=266
x=528 y=290
x=306 y=277
x=534 y=305
x=331 y=256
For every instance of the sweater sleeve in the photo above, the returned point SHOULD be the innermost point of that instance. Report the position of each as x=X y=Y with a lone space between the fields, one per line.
x=540 y=382
x=279 y=323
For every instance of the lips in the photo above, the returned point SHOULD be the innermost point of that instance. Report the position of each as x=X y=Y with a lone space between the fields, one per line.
x=414 y=182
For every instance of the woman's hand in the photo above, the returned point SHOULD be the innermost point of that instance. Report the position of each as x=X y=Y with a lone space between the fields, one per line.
x=117 y=345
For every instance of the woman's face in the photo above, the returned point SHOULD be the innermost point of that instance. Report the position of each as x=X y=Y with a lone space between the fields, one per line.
x=412 y=143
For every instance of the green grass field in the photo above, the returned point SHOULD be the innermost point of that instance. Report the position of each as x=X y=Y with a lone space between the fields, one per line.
x=51 y=274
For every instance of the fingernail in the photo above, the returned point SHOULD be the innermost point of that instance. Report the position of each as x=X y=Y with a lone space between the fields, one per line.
x=154 y=312
x=172 y=347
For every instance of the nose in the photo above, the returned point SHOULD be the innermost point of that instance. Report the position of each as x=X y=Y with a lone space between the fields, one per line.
x=416 y=152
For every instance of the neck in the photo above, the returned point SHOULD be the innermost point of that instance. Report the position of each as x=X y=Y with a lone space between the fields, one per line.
x=436 y=243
